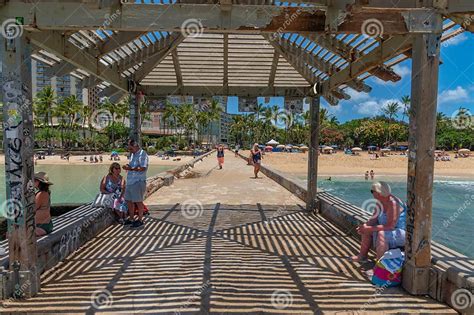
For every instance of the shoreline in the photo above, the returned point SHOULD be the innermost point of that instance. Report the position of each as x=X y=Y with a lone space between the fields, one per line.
x=343 y=165
x=77 y=160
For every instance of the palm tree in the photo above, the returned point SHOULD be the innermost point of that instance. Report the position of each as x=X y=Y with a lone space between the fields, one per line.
x=391 y=110
x=288 y=118
x=259 y=110
x=276 y=114
x=44 y=103
x=406 y=101
x=86 y=116
x=170 y=115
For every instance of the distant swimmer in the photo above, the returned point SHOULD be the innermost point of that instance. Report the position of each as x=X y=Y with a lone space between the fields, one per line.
x=367 y=175
x=329 y=178
x=372 y=174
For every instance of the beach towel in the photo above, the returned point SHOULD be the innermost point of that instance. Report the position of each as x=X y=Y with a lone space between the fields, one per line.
x=388 y=269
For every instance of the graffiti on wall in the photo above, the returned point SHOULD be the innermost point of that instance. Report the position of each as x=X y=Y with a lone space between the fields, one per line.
x=18 y=146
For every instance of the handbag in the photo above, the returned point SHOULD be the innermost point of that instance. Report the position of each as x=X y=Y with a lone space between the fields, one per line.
x=104 y=200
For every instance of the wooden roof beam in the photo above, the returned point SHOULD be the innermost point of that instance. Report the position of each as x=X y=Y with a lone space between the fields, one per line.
x=150 y=63
x=46 y=15
x=271 y=78
x=57 y=43
x=388 y=49
x=177 y=68
x=321 y=64
x=352 y=54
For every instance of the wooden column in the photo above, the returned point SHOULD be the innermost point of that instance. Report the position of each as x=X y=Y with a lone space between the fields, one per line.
x=135 y=119
x=18 y=146
x=424 y=93
x=311 y=204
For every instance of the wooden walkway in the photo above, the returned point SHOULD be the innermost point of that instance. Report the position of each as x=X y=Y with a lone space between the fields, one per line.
x=201 y=253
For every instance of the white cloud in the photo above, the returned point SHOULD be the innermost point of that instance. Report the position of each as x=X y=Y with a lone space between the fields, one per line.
x=456 y=40
x=357 y=96
x=373 y=107
x=369 y=108
x=459 y=94
x=402 y=70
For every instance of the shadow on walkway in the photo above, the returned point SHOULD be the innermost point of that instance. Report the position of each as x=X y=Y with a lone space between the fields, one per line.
x=215 y=259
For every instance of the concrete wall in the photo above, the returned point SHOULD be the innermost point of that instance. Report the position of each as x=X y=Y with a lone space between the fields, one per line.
x=445 y=278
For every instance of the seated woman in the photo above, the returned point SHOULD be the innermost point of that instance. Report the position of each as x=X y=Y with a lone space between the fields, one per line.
x=386 y=228
x=44 y=224
x=114 y=183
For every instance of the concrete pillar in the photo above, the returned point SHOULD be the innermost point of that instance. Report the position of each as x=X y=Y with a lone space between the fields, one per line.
x=311 y=203
x=424 y=93
x=19 y=167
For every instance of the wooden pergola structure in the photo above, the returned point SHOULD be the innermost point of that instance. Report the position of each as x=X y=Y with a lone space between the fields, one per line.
x=247 y=48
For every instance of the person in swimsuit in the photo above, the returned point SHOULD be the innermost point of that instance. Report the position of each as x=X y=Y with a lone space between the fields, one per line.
x=256 y=155
x=44 y=224
x=114 y=183
x=220 y=156
x=386 y=228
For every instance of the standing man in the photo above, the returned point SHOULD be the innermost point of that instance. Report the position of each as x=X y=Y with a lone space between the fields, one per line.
x=136 y=182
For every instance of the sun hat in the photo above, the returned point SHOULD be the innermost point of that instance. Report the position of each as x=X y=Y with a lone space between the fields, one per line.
x=382 y=188
x=43 y=177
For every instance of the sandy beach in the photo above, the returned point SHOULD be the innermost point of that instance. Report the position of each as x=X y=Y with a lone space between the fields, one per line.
x=343 y=164
x=79 y=160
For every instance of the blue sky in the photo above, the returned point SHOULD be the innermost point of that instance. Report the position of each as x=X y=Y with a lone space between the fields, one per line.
x=456 y=85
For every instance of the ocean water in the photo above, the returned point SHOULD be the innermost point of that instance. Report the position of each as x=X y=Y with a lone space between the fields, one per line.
x=453 y=205
x=75 y=183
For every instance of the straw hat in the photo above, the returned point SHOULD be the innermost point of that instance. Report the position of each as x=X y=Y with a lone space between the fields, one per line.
x=43 y=177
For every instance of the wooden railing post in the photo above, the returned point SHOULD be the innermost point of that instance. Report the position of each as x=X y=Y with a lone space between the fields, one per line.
x=18 y=145
x=311 y=204
x=424 y=93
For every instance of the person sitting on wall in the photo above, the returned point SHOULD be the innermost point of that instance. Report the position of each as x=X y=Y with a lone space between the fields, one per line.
x=44 y=224
x=386 y=228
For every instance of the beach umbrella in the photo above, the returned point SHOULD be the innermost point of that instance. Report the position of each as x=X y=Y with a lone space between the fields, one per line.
x=385 y=149
x=327 y=148
x=371 y=147
x=464 y=151
x=438 y=151
x=269 y=147
x=304 y=148
x=281 y=146
x=356 y=149
x=273 y=142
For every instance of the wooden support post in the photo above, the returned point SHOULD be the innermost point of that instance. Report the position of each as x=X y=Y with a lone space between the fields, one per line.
x=424 y=93
x=18 y=144
x=135 y=119
x=311 y=203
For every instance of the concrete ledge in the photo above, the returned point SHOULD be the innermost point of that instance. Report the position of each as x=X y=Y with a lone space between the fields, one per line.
x=65 y=239
x=447 y=274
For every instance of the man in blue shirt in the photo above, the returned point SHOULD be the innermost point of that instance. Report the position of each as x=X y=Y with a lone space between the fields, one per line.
x=136 y=182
